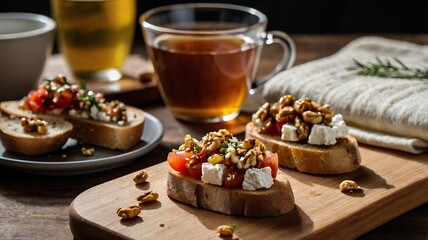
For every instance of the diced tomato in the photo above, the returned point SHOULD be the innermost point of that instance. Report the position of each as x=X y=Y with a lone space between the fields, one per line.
x=234 y=178
x=41 y=90
x=63 y=99
x=34 y=102
x=195 y=165
x=271 y=160
x=279 y=126
x=203 y=153
x=195 y=169
x=178 y=161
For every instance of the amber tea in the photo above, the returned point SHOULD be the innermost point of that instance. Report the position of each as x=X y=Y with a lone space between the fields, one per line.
x=205 y=57
x=204 y=77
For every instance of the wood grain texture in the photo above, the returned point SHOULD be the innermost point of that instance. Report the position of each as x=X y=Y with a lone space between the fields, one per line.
x=392 y=183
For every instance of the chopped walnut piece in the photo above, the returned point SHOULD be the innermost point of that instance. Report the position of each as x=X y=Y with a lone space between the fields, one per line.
x=191 y=145
x=303 y=114
x=213 y=140
x=327 y=114
x=302 y=105
x=252 y=150
x=286 y=114
x=267 y=125
x=149 y=196
x=87 y=151
x=140 y=177
x=287 y=100
x=34 y=125
x=303 y=129
x=263 y=112
x=312 y=117
x=225 y=230
x=348 y=186
x=128 y=212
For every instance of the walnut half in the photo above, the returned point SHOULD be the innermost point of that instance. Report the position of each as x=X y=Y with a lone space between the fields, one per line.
x=148 y=197
x=140 y=177
x=225 y=230
x=128 y=212
x=348 y=186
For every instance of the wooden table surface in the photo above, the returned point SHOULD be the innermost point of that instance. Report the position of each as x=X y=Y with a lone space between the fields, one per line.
x=36 y=206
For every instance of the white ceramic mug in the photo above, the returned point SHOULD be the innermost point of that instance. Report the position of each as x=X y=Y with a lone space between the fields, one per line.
x=26 y=41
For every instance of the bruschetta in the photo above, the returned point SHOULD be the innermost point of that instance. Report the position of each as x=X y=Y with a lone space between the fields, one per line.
x=308 y=137
x=112 y=125
x=223 y=174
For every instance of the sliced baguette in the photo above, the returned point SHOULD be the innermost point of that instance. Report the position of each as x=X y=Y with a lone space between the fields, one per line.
x=12 y=109
x=342 y=157
x=103 y=134
x=277 y=200
x=15 y=139
x=110 y=135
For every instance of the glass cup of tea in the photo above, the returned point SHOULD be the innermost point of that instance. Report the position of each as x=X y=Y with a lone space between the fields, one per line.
x=95 y=36
x=206 y=55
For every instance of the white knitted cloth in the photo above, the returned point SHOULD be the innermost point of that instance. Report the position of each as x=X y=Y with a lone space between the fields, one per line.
x=385 y=112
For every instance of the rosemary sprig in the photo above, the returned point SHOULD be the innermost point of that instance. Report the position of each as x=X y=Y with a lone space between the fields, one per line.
x=389 y=69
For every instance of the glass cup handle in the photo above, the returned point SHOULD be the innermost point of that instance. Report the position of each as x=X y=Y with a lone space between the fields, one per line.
x=288 y=56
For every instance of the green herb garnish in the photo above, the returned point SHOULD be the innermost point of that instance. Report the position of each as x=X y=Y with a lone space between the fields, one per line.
x=197 y=149
x=161 y=225
x=91 y=99
x=389 y=69
x=223 y=148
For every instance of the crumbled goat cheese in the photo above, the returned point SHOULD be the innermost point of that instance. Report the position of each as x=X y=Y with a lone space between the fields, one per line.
x=256 y=178
x=94 y=112
x=99 y=115
x=213 y=174
x=289 y=133
x=339 y=126
x=322 y=135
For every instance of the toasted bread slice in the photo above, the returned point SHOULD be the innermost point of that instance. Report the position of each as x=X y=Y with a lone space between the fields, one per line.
x=342 y=157
x=15 y=139
x=104 y=134
x=110 y=135
x=275 y=201
x=12 y=109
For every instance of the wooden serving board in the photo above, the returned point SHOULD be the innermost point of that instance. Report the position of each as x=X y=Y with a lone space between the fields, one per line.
x=393 y=183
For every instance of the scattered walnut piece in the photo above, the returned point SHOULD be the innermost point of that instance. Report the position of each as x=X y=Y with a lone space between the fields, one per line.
x=128 y=212
x=348 y=186
x=225 y=230
x=148 y=197
x=88 y=151
x=140 y=177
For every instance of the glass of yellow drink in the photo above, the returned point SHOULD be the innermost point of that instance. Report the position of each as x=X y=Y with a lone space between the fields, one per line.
x=95 y=36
